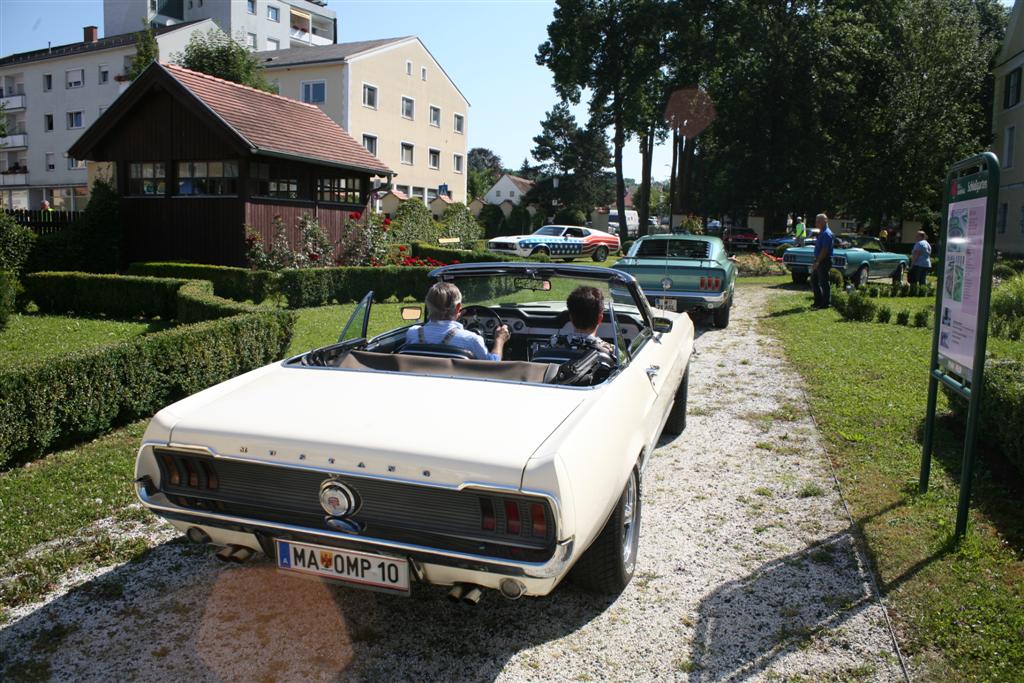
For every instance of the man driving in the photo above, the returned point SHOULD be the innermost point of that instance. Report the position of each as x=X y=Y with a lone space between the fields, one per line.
x=444 y=306
x=586 y=311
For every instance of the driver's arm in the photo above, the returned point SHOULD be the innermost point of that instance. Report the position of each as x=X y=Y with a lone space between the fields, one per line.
x=501 y=335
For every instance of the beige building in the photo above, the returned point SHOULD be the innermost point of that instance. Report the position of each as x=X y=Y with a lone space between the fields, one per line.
x=1007 y=125
x=393 y=97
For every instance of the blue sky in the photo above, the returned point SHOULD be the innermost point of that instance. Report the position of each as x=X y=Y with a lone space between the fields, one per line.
x=486 y=46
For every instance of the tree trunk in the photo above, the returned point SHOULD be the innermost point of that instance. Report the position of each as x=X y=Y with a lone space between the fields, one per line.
x=672 y=189
x=686 y=176
x=646 y=154
x=620 y=185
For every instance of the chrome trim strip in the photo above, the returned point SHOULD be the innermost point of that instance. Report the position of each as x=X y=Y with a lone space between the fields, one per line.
x=676 y=294
x=553 y=500
x=537 y=570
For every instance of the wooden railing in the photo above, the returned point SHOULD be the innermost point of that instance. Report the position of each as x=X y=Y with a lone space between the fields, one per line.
x=44 y=222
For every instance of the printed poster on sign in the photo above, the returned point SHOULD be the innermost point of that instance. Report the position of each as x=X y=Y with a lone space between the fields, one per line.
x=961 y=285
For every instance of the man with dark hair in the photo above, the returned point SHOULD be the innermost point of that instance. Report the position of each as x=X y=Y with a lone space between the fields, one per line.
x=586 y=311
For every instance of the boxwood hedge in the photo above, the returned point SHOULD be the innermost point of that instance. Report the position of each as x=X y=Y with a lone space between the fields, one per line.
x=319 y=286
x=239 y=284
x=63 y=400
x=8 y=289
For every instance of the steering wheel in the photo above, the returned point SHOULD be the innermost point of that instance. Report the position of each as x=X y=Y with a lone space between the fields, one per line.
x=470 y=319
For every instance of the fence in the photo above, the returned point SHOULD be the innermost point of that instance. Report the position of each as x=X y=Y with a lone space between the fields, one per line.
x=44 y=222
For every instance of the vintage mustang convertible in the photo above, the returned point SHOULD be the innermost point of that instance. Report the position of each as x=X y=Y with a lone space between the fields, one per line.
x=380 y=463
x=682 y=272
x=558 y=241
x=857 y=257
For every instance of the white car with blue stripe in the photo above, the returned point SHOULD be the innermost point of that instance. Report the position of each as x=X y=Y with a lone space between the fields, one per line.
x=558 y=241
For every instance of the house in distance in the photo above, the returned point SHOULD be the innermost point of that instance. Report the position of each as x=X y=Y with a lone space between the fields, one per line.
x=197 y=158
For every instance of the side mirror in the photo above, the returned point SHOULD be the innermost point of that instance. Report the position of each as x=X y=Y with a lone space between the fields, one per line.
x=411 y=313
x=662 y=325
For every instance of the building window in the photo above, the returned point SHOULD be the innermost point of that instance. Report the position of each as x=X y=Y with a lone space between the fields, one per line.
x=50 y=162
x=47 y=82
x=265 y=183
x=457 y=163
x=435 y=116
x=497 y=193
x=273 y=13
x=460 y=123
x=250 y=40
x=273 y=44
x=511 y=193
x=145 y=178
x=250 y=6
x=104 y=74
x=408 y=68
x=75 y=78
x=408 y=108
x=314 y=92
x=423 y=73
x=207 y=178
x=75 y=164
x=74 y=119
x=419 y=193
x=404 y=189
x=1011 y=88
x=434 y=158
x=369 y=96
x=370 y=143
x=338 y=190
x=407 y=153
x=47 y=122
x=1008 y=143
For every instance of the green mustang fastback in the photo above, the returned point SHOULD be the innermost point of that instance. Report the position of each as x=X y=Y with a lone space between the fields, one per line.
x=682 y=272
x=856 y=257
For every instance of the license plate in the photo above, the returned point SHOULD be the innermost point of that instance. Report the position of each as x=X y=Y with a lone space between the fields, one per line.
x=349 y=566
x=666 y=304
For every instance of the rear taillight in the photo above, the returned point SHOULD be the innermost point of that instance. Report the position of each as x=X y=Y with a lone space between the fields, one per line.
x=710 y=283
x=211 y=476
x=172 y=471
x=512 y=525
x=537 y=520
x=193 y=478
x=486 y=515
x=703 y=283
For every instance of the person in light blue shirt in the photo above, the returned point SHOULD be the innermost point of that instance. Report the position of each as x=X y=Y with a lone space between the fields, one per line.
x=823 y=245
x=444 y=306
x=920 y=259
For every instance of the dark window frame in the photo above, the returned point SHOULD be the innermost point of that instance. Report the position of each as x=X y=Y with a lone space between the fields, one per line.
x=1011 y=88
x=137 y=179
x=201 y=180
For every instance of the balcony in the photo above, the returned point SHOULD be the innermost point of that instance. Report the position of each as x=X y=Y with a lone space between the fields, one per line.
x=16 y=141
x=12 y=102
x=13 y=179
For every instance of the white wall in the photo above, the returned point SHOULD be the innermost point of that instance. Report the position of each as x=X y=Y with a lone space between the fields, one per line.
x=502 y=190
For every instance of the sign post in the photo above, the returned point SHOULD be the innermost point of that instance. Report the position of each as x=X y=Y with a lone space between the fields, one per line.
x=967 y=247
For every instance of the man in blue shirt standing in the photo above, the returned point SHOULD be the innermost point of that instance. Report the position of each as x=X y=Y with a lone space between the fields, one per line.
x=920 y=259
x=444 y=306
x=823 y=245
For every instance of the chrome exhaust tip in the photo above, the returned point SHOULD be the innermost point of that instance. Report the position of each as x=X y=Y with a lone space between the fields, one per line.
x=472 y=596
x=512 y=589
x=455 y=594
x=197 y=535
x=224 y=554
x=241 y=554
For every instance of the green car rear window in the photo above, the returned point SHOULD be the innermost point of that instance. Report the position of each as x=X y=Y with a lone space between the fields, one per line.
x=695 y=249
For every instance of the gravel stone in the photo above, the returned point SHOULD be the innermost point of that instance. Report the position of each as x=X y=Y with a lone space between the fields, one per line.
x=747 y=571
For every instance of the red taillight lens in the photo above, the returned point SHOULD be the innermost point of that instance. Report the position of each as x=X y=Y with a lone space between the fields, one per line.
x=512 y=525
x=703 y=283
x=540 y=524
x=486 y=515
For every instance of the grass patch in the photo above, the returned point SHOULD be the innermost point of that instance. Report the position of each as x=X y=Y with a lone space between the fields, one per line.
x=868 y=389
x=810 y=490
x=315 y=327
x=29 y=337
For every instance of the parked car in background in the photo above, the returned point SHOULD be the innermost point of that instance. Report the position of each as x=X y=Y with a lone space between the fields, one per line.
x=857 y=257
x=632 y=223
x=380 y=462
x=558 y=241
x=740 y=239
x=682 y=272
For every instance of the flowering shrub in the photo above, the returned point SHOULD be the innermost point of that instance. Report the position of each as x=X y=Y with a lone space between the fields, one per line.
x=313 y=249
x=457 y=221
x=363 y=243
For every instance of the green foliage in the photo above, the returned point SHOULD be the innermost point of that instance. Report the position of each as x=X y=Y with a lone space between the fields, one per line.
x=240 y=284
x=319 y=286
x=839 y=299
x=518 y=221
x=1001 y=421
x=91 y=244
x=412 y=222
x=493 y=220
x=903 y=318
x=921 y=318
x=218 y=54
x=884 y=314
x=424 y=250
x=570 y=216
x=8 y=289
x=457 y=221
x=16 y=242
x=873 y=291
x=577 y=156
x=692 y=224
x=314 y=249
x=1003 y=271
x=364 y=242
x=859 y=308
x=835 y=277
x=1007 y=309
x=147 y=51
x=81 y=395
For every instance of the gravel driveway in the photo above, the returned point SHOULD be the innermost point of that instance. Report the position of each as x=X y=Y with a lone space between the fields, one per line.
x=746 y=572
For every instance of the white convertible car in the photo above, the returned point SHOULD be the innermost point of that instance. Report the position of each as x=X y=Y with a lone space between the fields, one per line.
x=379 y=463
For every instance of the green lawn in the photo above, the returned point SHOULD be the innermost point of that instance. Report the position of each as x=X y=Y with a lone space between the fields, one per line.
x=30 y=336
x=321 y=325
x=959 y=609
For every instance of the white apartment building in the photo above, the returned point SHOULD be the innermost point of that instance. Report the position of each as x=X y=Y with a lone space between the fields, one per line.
x=258 y=24
x=393 y=97
x=1008 y=125
x=50 y=97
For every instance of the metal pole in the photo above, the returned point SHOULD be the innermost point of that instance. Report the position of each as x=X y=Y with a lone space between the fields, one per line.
x=929 y=429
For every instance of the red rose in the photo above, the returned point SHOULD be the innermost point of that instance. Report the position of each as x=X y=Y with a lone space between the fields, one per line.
x=401 y=247
x=355 y=215
x=314 y=257
x=387 y=221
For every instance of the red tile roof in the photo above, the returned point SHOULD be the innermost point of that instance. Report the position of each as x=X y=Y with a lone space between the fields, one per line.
x=401 y=195
x=271 y=123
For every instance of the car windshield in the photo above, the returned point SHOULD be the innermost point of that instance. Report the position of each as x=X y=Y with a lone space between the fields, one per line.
x=673 y=248
x=549 y=230
x=866 y=243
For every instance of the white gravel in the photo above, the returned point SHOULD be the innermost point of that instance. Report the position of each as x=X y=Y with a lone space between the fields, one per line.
x=747 y=571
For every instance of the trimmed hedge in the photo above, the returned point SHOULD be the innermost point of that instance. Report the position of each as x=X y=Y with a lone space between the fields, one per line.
x=239 y=284
x=319 y=286
x=446 y=255
x=1001 y=420
x=8 y=289
x=68 y=399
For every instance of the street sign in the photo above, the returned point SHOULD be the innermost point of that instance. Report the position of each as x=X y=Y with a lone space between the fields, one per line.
x=442 y=189
x=960 y=335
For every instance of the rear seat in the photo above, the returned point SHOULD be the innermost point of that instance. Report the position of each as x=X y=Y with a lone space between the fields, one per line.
x=512 y=370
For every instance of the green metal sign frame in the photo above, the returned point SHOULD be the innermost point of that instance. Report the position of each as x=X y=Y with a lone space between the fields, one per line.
x=974 y=178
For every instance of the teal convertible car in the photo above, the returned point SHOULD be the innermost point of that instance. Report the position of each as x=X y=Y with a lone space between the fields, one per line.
x=857 y=257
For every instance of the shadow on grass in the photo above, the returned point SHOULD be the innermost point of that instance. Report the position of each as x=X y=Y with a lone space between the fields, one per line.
x=789 y=311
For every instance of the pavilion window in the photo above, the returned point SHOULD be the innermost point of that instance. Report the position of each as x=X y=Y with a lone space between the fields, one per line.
x=207 y=178
x=339 y=190
x=272 y=182
x=147 y=178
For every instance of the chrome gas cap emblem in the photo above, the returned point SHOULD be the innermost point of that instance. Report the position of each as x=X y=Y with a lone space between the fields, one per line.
x=337 y=499
x=666 y=283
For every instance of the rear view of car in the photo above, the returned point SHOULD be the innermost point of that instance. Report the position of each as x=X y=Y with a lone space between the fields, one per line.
x=737 y=239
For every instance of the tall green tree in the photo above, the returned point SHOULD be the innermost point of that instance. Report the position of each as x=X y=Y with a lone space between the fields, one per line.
x=578 y=157
x=217 y=54
x=147 y=51
x=484 y=168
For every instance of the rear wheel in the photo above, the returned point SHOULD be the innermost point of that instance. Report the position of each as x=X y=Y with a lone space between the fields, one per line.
x=720 y=316
x=601 y=253
x=609 y=562
x=860 y=278
x=799 y=278
x=540 y=251
x=676 y=422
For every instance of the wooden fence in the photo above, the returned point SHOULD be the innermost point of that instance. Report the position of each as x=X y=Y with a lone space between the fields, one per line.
x=44 y=222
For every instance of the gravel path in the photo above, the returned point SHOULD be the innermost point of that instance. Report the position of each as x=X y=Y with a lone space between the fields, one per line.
x=746 y=572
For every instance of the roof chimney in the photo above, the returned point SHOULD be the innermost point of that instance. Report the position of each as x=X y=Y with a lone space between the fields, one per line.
x=91 y=34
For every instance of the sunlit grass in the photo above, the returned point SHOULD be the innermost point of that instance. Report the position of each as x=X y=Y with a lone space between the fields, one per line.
x=29 y=337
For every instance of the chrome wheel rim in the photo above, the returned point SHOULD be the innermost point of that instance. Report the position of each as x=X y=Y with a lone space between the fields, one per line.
x=629 y=526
